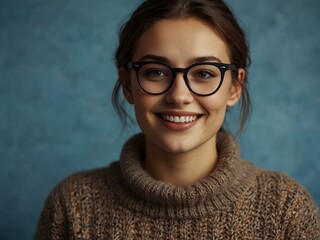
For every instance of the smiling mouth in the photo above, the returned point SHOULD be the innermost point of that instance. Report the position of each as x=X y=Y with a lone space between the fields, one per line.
x=179 y=119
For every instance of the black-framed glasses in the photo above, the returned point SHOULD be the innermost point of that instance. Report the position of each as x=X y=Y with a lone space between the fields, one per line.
x=203 y=79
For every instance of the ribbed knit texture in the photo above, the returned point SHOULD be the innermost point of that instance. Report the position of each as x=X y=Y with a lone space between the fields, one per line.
x=237 y=201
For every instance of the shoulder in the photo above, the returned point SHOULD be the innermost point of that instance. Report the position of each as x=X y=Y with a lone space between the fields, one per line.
x=275 y=188
x=72 y=200
x=282 y=185
x=84 y=183
x=293 y=205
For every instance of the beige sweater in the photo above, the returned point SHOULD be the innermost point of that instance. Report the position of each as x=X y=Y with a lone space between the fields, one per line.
x=237 y=201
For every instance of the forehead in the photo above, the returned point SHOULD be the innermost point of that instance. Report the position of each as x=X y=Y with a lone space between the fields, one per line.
x=181 y=39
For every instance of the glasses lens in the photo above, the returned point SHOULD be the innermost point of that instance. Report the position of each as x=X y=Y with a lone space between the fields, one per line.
x=155 y=77
x=204 y=78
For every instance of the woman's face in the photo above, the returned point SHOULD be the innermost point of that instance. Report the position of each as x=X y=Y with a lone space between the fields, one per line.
x=180 y=43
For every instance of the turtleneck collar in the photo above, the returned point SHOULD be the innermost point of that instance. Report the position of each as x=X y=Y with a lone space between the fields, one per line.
x=221 y=188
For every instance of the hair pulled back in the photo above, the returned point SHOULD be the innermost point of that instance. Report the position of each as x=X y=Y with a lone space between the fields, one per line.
x=215 y=12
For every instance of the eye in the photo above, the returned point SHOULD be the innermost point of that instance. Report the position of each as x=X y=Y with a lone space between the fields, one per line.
x=203 y=74
x=155 y=73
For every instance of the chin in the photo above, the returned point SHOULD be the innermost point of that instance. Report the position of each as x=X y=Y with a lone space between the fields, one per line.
x=177 y=147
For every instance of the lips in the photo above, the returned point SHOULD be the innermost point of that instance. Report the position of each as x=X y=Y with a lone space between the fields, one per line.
x=179 y=119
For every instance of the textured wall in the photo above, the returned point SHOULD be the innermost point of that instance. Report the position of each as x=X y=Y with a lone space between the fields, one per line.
x=57 y=74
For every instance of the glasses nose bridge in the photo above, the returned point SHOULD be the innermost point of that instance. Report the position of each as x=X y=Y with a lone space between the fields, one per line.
x=184 y=72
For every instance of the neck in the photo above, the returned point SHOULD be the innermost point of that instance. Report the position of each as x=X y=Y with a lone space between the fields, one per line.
x=181 y=169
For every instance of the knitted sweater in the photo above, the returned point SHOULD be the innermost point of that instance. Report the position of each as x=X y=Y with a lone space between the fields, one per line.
x=237 y=201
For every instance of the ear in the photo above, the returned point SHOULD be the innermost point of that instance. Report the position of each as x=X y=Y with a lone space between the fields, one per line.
x=126 y=85
x=236 y=88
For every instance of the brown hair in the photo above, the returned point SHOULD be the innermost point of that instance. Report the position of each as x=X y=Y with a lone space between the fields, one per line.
x=214 y=12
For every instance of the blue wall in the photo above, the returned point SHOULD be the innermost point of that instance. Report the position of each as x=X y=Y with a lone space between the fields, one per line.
x=57 y=74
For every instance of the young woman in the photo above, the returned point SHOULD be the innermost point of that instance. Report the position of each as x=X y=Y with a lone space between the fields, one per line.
x=181 y=64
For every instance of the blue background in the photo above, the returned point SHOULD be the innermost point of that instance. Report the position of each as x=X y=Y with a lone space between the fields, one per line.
x=57 y=74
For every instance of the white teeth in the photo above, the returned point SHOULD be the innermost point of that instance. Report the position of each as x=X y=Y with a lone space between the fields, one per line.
x=179 y=119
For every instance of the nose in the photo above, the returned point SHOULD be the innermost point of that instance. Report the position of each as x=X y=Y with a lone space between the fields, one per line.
x=179 y=94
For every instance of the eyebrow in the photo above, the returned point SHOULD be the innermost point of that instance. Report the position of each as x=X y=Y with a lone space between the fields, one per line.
x=155 y=58
x=205 y=59
x=193 y=60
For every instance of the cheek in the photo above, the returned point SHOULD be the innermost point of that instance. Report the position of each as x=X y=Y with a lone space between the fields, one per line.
x=216 y=103
x=143 y=103
x=138 y=94
x=219 y=100
x=215 y=106
x=141 y=111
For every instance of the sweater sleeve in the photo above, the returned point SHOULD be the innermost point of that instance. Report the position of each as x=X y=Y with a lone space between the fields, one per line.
x=53 y=222
x=301 y=217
